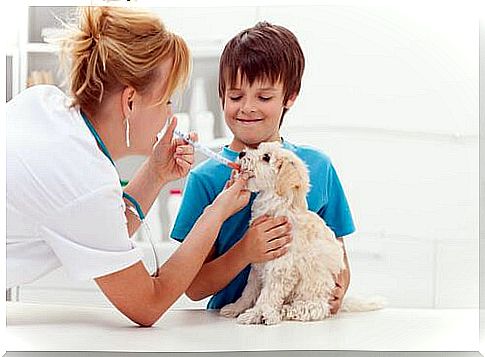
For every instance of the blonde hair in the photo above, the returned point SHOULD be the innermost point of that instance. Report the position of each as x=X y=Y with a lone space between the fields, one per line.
x=112 y=48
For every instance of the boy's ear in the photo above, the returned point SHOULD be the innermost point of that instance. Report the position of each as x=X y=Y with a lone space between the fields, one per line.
x=291 y=101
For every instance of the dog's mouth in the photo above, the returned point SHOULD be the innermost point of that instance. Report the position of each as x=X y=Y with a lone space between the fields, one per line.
x=250 y=173
x=245 y=168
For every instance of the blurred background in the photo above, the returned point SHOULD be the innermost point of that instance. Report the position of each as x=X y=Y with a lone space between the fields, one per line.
x=390 y=93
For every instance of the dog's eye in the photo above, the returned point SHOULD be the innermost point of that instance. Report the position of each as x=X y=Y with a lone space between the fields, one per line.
x=266 y=157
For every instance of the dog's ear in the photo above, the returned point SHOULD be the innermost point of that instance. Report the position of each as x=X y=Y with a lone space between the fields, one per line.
x=287 y=177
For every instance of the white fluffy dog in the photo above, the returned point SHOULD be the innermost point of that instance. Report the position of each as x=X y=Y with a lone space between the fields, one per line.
x=299 y=284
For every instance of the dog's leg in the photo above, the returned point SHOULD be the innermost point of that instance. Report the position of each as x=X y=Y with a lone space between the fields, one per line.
x=248 y=297
x=268 y=307
x=311 y=297
x=306 y=310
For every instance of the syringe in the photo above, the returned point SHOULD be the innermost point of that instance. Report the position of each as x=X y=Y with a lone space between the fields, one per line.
x=207 y=152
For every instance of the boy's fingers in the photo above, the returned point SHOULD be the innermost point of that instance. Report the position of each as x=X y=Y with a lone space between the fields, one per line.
x=274 y=222
x=260 y=220
x=338 y=291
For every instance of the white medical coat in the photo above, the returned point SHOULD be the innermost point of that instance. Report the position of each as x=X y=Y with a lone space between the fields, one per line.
x=64 y=199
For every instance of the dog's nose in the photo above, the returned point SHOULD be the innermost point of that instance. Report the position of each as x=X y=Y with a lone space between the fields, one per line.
x=242 y=154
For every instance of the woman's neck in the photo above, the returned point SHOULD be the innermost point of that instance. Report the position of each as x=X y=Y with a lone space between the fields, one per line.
x=110 y=128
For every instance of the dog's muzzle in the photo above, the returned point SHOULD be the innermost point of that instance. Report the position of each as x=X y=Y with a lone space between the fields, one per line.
x=245 y=163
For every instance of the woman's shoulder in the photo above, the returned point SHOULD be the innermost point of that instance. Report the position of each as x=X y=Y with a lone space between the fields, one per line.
x=60 y=151
x=38 y=92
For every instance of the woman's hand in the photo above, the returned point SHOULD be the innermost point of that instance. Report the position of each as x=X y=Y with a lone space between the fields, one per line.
x=233 y=198
x=172 y=159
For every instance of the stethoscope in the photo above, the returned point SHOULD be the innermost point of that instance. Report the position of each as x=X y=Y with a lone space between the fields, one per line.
x=137 y=208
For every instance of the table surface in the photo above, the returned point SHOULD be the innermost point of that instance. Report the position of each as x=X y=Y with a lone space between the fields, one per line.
x=33 y=327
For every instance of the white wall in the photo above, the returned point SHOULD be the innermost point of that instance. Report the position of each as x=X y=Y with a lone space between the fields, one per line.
x=391 y=94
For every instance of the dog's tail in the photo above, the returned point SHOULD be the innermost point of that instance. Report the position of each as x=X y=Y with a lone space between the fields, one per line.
x=354 y=304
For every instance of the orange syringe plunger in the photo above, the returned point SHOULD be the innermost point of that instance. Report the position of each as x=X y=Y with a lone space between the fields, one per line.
x=234 y=166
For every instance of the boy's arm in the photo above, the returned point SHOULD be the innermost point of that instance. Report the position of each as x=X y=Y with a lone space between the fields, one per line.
x=342 y=281
x=217 y=273
x=266 y=239
x=337 y=216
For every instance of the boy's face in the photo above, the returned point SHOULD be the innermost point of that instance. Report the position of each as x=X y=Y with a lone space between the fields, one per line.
x=253 y=112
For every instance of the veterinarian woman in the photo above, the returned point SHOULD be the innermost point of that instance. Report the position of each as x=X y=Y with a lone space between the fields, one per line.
x=65 y=204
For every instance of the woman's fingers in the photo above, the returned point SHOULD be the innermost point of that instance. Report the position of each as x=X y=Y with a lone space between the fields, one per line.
x=184 y=153
x=187 y=158
x=184 y=150
x=194 y=136
x=183 y=164
x=233 y=179
x=168 y=135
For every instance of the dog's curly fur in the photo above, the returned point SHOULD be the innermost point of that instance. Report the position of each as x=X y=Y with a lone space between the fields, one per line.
x=297 y=285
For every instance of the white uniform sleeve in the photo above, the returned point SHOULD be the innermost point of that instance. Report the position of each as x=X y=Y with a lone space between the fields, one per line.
x=90 y=235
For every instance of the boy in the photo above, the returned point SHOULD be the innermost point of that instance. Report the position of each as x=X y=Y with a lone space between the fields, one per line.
x=259 y=79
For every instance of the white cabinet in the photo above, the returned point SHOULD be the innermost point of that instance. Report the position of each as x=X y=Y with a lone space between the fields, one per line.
x=39 y=60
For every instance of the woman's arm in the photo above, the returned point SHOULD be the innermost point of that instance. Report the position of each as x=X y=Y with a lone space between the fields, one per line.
x=144 y=299
x=144 y=187
x=170 y=160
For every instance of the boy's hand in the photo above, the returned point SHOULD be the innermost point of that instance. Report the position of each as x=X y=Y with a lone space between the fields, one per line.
x=233 y=198
x=341 y=284
x=266 y=239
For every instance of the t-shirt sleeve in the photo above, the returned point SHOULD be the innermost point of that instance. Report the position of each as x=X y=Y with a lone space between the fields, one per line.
x=336 y=212
x=90 y=235
x=195 y=199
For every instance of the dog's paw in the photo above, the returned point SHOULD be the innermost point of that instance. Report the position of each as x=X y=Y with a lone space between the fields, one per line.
x=306 y=311
x=271 y=317
x=230 y=310
x=288 y=313
x=251 y=316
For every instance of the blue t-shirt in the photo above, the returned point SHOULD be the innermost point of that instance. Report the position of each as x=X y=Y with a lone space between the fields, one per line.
x=206 y=181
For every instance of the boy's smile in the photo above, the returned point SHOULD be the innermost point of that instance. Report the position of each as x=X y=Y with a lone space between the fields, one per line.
x=253 y=112
x=248 y=121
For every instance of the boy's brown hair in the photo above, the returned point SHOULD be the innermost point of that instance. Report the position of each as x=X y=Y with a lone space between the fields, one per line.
x=263 y=52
